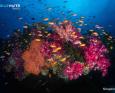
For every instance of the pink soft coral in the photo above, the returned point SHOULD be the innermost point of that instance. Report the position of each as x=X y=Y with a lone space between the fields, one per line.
x=95 y=55
x=74 y=70
x=66 y=31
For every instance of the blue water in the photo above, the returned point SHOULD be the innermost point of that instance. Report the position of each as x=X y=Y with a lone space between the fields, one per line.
x=31 y=11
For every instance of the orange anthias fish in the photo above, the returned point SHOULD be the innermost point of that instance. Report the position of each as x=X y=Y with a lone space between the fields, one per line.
x=46 y=19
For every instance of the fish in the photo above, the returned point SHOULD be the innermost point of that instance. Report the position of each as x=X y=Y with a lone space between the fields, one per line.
x=74 y=14
x=82 y=44
x=52 y=46
x=91 y=30
x=25 y=26
x=98 y=27
x=46 y=19
x=49 y=9
x=81 y=21
x=37 y=39
x=82 y=17
x=95 y=34
x=57 y=49
x=63 y=59
x=77 y=42
x=20 y=18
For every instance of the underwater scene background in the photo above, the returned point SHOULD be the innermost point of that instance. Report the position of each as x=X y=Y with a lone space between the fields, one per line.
x=57 y=46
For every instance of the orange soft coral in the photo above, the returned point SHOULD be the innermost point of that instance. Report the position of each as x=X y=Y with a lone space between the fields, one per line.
x=33 y=58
